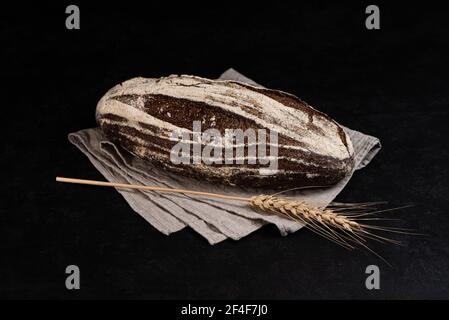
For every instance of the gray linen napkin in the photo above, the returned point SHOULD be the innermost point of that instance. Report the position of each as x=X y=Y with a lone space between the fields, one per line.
x=214 y=219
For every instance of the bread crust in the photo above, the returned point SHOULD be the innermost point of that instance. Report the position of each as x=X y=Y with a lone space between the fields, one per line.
x=141 y=114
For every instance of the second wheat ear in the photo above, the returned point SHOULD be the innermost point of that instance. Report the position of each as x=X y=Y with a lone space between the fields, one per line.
x=341 y=223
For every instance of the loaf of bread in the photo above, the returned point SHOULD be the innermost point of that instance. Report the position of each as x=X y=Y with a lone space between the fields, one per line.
x=141 y=115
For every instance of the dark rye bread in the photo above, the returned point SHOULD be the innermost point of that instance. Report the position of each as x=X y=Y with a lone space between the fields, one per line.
x=141 y=114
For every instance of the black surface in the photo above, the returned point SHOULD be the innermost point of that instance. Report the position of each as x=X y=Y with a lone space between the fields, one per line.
x=391 y=83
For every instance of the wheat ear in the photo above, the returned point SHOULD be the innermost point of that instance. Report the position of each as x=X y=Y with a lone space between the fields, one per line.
x=323 y=221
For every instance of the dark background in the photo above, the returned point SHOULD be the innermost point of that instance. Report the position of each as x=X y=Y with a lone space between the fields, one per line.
x=391 y=83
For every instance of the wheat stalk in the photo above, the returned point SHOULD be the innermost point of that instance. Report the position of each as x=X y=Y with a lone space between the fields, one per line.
x=339 y=222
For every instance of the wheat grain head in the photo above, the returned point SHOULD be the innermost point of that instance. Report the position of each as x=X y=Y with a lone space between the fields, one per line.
x=339 y=223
